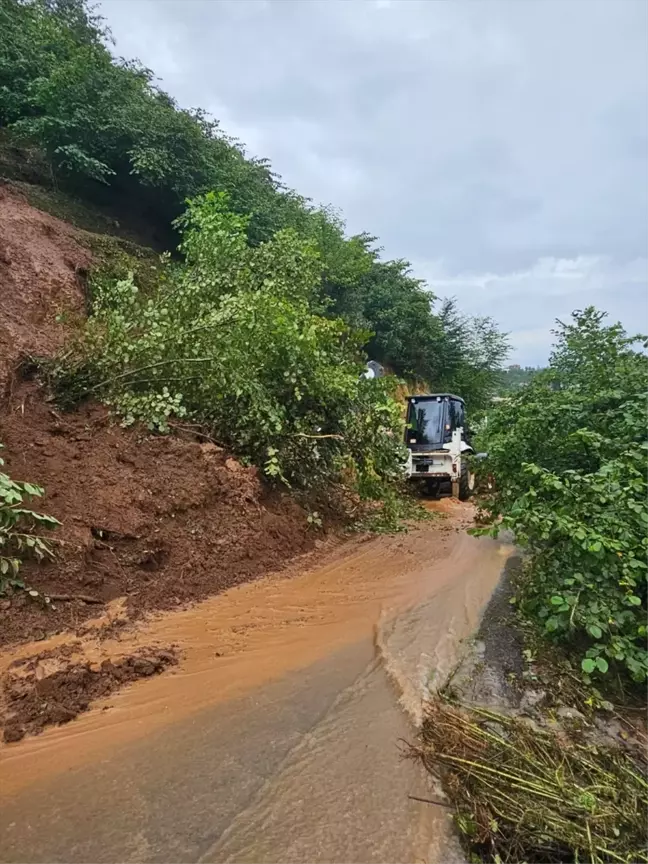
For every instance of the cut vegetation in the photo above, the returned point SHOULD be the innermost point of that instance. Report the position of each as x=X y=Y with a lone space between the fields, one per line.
x=526 y=794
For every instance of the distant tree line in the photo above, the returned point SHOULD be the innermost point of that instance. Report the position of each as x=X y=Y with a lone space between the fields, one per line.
x=515 y=377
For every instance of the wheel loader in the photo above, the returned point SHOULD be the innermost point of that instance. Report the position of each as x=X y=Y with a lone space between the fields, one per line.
x=437 y=444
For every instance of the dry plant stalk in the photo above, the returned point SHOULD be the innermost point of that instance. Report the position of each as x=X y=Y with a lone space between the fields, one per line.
x=526 y=795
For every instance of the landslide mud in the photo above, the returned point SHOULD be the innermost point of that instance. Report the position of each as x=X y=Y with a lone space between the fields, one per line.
x=55 y=686
x=158 y=520
x=412 y=597
x=41 y=267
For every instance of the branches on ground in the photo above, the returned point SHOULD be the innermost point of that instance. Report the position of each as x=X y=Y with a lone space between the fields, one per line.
x=524 y=794
x=279 y=382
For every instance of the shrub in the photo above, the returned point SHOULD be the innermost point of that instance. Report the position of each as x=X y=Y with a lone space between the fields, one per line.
x=17 y=526
x=234 y=339
x=569 y=455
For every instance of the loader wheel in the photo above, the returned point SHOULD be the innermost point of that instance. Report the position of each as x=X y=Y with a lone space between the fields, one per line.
x=466 y=482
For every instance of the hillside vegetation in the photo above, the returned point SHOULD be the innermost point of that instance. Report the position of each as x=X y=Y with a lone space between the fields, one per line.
x=258 y=330
x=106 y=132
x=513 y=378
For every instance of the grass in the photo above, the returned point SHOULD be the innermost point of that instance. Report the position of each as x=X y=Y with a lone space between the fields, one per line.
x=522 y=794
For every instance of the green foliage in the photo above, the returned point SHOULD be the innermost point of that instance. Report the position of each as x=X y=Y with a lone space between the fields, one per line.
x=234 y=340
x=472 y=352
x=102 y=119
x=569 y=457
x=17 y=525
x=110 y=135
x=407 y=336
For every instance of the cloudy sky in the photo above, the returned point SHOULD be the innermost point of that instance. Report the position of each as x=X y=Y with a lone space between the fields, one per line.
x=501 y=147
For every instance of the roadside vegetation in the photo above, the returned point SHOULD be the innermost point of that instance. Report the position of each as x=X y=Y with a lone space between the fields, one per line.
x=568 y=457
x=561 y=775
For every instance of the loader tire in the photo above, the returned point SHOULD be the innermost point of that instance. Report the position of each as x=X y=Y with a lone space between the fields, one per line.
x=466 y=482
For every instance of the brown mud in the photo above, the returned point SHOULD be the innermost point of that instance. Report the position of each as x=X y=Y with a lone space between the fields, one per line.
x=55 y=686
x=155 y=519
x=414 y=597
x=159 y=521
x=42 y=265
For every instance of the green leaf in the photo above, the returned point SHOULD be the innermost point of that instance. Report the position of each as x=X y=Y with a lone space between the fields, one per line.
x=594 y=630
x=601 y=664
x=557 y=600
x=588 y=665
x=634 y=600
x=32 y=490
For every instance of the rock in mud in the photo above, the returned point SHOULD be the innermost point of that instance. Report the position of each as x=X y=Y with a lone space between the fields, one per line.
x=531 y=699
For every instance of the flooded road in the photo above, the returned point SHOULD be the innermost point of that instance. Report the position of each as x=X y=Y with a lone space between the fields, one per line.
x=277 y=736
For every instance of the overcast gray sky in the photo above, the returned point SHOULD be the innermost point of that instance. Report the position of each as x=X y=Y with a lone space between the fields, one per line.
x=501 y=147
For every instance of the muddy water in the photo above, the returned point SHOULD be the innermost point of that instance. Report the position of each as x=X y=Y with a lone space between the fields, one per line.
x=276 y=739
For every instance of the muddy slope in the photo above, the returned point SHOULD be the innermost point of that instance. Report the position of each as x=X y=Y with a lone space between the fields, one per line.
x=158 y=520
x=41 y=270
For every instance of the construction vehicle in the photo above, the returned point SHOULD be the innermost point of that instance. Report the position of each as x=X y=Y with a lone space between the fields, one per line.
x=373 y=370
x=436 y=437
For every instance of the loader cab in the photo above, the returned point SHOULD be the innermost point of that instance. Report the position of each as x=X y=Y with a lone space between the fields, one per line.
x=438 y=449
x=432 y=419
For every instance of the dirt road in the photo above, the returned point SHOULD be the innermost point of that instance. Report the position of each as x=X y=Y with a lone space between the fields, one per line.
x=277 y=736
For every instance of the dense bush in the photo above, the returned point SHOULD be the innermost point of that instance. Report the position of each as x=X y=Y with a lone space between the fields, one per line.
x=234 y=340
x=110 y=135
x=569 y=457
